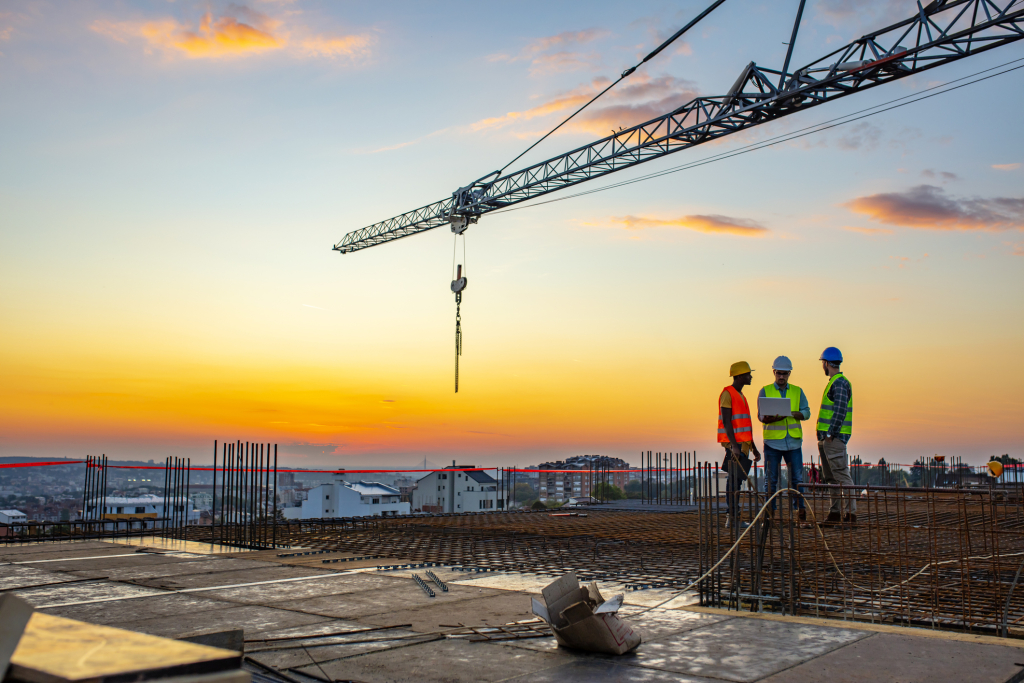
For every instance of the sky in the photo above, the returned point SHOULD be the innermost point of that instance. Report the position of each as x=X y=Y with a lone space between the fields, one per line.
x=174 y=175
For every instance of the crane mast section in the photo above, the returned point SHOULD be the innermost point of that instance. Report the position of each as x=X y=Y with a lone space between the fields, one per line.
x=941 y=33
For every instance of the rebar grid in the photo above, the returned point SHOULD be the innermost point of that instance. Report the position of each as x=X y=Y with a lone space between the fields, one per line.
x=969 y=543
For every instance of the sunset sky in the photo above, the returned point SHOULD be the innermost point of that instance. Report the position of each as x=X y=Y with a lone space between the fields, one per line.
x=174 y=175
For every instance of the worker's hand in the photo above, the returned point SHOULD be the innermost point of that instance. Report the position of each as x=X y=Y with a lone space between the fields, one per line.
x=757 y=456
x=736 y=450
x=828 y=439
x=797 y=415
x=771 y=418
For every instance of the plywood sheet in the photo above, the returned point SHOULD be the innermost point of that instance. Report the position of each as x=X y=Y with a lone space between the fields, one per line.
x=58 y=650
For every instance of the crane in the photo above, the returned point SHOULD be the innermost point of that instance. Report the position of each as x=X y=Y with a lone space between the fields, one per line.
x=942 y=32
x=939 y=33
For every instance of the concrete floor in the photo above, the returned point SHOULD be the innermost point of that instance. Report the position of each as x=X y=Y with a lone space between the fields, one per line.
x=173 y=592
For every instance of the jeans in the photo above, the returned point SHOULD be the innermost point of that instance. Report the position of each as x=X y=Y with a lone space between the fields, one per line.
x=773 y=458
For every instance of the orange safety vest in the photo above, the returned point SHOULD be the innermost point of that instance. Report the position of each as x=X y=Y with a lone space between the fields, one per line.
x=742 y=427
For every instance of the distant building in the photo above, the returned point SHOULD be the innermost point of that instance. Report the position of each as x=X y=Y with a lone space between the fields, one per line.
x=142 y=508
x=453 y=491
x=285 y=479
x=349 y=499
x=12 y=517
x=585 y=473
x=202 y=500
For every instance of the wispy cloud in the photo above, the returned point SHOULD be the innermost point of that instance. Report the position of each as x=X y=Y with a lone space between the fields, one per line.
x=236 y=33
x=943 y=175
x=707 y=223
x=927 y=207
x=555 y=54
x=637 y=102
x=1006 y=167
x=316 y=307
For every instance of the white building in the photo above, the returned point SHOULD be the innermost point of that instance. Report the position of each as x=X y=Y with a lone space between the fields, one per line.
x=349 y=499
x=452 y=491
x=13 y=517
x=142 y=508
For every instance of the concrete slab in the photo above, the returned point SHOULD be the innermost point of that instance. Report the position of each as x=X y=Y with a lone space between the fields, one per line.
x=441 y=661
x=17 y=553
x=403 y=595
x=887 y=658
x=253 y=618
x=16 y=576
x=589 y=670
x=94 y=590
x=492 y=610
x=742 y=649
x=118 y=612
x=209 y=579
x=110 y=560
x=653 y=625
x=196 y=565
x=344 y=646
x=300 y=590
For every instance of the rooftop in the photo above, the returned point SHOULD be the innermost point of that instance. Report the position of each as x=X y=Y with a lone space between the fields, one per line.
x=177 y=589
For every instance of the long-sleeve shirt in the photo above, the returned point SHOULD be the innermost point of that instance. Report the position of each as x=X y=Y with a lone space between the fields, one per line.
x=840 y=395
x=790 y=443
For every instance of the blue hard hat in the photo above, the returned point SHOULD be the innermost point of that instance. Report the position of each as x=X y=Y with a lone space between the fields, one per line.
x=832 y=355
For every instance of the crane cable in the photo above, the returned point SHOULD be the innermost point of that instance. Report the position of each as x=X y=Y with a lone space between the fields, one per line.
x=625 y=74
x=461 y=272
x=786 y=137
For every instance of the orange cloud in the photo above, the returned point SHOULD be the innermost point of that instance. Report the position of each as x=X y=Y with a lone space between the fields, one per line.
x=708 y=223
x=239 y=32
x=927 y=207
x=1006 y=167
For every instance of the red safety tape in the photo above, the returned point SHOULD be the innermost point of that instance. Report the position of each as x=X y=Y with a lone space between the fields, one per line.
x=40 y=464
x=447 y=469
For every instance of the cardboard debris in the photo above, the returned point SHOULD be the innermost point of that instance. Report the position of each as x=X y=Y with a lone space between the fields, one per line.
x=583 y=620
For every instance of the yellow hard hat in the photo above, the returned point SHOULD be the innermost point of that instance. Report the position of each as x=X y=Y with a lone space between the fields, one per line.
x=996 y=468
x=739 y=368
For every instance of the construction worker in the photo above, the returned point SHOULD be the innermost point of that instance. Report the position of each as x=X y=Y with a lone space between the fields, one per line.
x=783 y=435
x=735 y=433
x=835 y=425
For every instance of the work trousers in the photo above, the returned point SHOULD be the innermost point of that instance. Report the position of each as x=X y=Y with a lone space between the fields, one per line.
x=773 y=458
x=835 y=465
x=737 y=475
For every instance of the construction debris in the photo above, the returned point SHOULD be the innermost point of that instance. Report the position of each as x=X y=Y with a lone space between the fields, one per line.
x=583 y=620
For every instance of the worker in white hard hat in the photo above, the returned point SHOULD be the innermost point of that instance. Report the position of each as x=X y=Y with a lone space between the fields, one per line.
x=783 y=434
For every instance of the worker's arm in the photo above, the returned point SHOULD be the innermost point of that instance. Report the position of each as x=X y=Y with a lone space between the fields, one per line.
x=727 y=421
x=805 y=409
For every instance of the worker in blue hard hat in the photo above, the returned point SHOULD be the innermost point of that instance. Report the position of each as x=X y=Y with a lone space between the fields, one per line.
x=835 y=426
x=783 y=435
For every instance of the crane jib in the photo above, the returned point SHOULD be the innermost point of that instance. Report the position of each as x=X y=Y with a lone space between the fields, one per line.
x=942 y=32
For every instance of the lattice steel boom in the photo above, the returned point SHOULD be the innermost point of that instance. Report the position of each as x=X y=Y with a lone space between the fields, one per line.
x=944 y=31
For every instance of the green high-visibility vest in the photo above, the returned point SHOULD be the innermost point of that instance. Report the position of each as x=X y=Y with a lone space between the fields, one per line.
x=825 y=412
x=776 y=431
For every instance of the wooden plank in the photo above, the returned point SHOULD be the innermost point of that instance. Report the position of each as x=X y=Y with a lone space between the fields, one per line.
x=58 y=650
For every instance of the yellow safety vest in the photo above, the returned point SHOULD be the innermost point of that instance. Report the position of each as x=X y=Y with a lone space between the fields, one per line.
x=825 y=412
x=776 y=431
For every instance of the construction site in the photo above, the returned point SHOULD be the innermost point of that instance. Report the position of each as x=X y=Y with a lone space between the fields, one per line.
x=666 y=566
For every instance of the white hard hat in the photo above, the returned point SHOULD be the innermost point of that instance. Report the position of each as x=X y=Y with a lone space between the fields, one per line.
x=782 y=363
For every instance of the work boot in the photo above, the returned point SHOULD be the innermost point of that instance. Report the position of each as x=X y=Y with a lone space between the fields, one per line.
x=802 y=514
x=850 y=519
x=832 y=519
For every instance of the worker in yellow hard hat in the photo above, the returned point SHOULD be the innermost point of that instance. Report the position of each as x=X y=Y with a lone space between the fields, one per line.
x=736 y=434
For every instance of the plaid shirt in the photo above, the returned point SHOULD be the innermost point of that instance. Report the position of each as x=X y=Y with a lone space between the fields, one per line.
x=839 y=394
